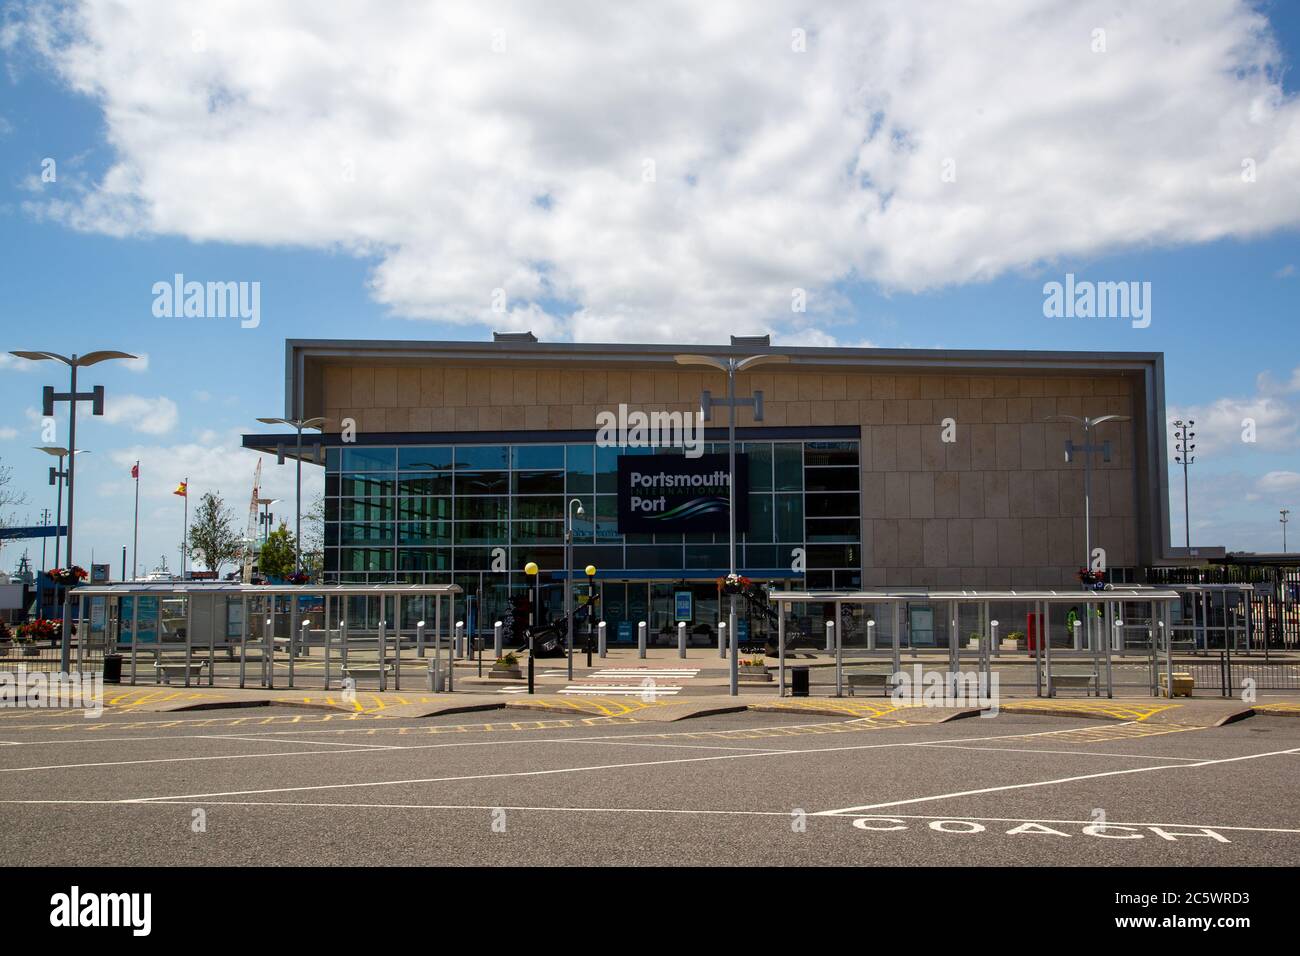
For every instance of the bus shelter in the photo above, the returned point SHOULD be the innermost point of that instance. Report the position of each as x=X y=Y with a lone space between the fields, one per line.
x=191 y=632
x=1068 y=635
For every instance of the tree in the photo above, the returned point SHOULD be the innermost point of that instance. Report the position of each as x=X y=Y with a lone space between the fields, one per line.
x=313 y=538
x=212 y=537
x=276 y=559
x=9 y=498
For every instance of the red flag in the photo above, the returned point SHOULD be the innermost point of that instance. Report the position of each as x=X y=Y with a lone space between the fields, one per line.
x=135 y=470
x=181 y=490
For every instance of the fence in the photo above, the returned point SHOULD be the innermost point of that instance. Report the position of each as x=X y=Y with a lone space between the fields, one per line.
x=229 y=634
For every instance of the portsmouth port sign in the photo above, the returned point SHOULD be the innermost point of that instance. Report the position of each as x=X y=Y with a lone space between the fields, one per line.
x=673 y=494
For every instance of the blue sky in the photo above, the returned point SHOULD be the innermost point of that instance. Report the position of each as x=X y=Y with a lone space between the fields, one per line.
x=149 y=185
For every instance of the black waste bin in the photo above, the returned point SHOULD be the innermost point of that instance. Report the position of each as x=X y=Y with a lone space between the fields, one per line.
x=798 y=682
x=112 y=668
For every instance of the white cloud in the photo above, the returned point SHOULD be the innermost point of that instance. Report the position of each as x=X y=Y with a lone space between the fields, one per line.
x=1280 y=482
x=11 y=363
x=219 y=463
x=1286 y=272
x=463 y=170
x=153 y=416
x=139 y=364
x=8 y=432
x=1274 y=409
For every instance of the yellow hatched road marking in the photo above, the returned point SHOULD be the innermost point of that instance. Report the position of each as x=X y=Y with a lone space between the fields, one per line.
x=1117 y=732
x=1279 y=708
x=849 y=708
x=1108 y=708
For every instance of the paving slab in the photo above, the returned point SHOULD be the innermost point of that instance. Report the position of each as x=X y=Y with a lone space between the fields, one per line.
x=447 y=704
x=685 y=709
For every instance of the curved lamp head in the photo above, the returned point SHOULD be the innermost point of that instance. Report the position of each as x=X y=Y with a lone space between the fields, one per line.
x=591 y=570
x=530 y=568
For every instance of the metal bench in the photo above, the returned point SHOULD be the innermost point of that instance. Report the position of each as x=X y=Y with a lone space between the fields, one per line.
x=1085 y=677
x=875 y=676
x=164 y=672
x=368 y=669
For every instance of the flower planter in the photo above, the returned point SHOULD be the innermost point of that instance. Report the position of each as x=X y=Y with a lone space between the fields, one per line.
x=754 y=674
x=505 y=673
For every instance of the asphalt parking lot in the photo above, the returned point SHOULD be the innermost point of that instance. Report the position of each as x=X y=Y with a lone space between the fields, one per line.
x=286 y=786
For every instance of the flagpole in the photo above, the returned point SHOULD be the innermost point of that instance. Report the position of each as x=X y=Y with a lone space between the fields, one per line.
x=135 y=545
x=185 y=527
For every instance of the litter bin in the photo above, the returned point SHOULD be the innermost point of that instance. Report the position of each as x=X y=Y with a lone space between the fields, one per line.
x=798 y=682
x=112 y=668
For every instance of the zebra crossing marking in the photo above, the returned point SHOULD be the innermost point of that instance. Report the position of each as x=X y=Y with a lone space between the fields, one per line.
x=649 y=690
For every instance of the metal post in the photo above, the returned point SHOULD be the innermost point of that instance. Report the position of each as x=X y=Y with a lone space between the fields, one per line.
x=601 y=639
x=1045 y=639
x=640 y=639
x=65 y=636
x=135 y=632
x=780 y=650
x=838 y=633
x=498 y=638
x=1110 y=676
x=722 y=639
x=304 y=631
x=1169 y=655
x=328 y=640
x=681 y=639
x=1038 y=651
x=293 y=634
x=268 y=650
x=451 y=669
x=81 y=636
x=898 y=663
x=383 y=651
x=731 y=522
x=189 y=636
x=244 y=631
x=871 y=634
x=830 y=635
x=397 y=641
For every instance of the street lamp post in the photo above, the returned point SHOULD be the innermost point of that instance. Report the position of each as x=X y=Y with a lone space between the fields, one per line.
x=1285 y=517
x=730 y=366
x=1183 y=436
x=1087 y=424
x=568 y=574
x=57 y=475
x=533 y=572
x=48 y=397
x=298 y=424
x=266 y=517
x=590 y=571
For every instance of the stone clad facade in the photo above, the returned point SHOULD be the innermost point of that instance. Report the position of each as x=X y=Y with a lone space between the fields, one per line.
x=998 y=507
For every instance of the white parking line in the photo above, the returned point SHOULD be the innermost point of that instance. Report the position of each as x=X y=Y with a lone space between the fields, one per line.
x=850 y=811
x=650 y=811
x=1071 y=753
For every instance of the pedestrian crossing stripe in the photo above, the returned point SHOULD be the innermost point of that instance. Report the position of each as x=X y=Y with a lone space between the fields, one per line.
x=624 y=673
x=622 y=690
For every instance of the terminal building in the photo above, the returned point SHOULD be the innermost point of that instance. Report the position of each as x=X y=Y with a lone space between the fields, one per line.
x=888 y=469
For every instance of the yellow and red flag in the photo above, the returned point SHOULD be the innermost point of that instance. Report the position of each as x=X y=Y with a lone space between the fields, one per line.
x=181 y=490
